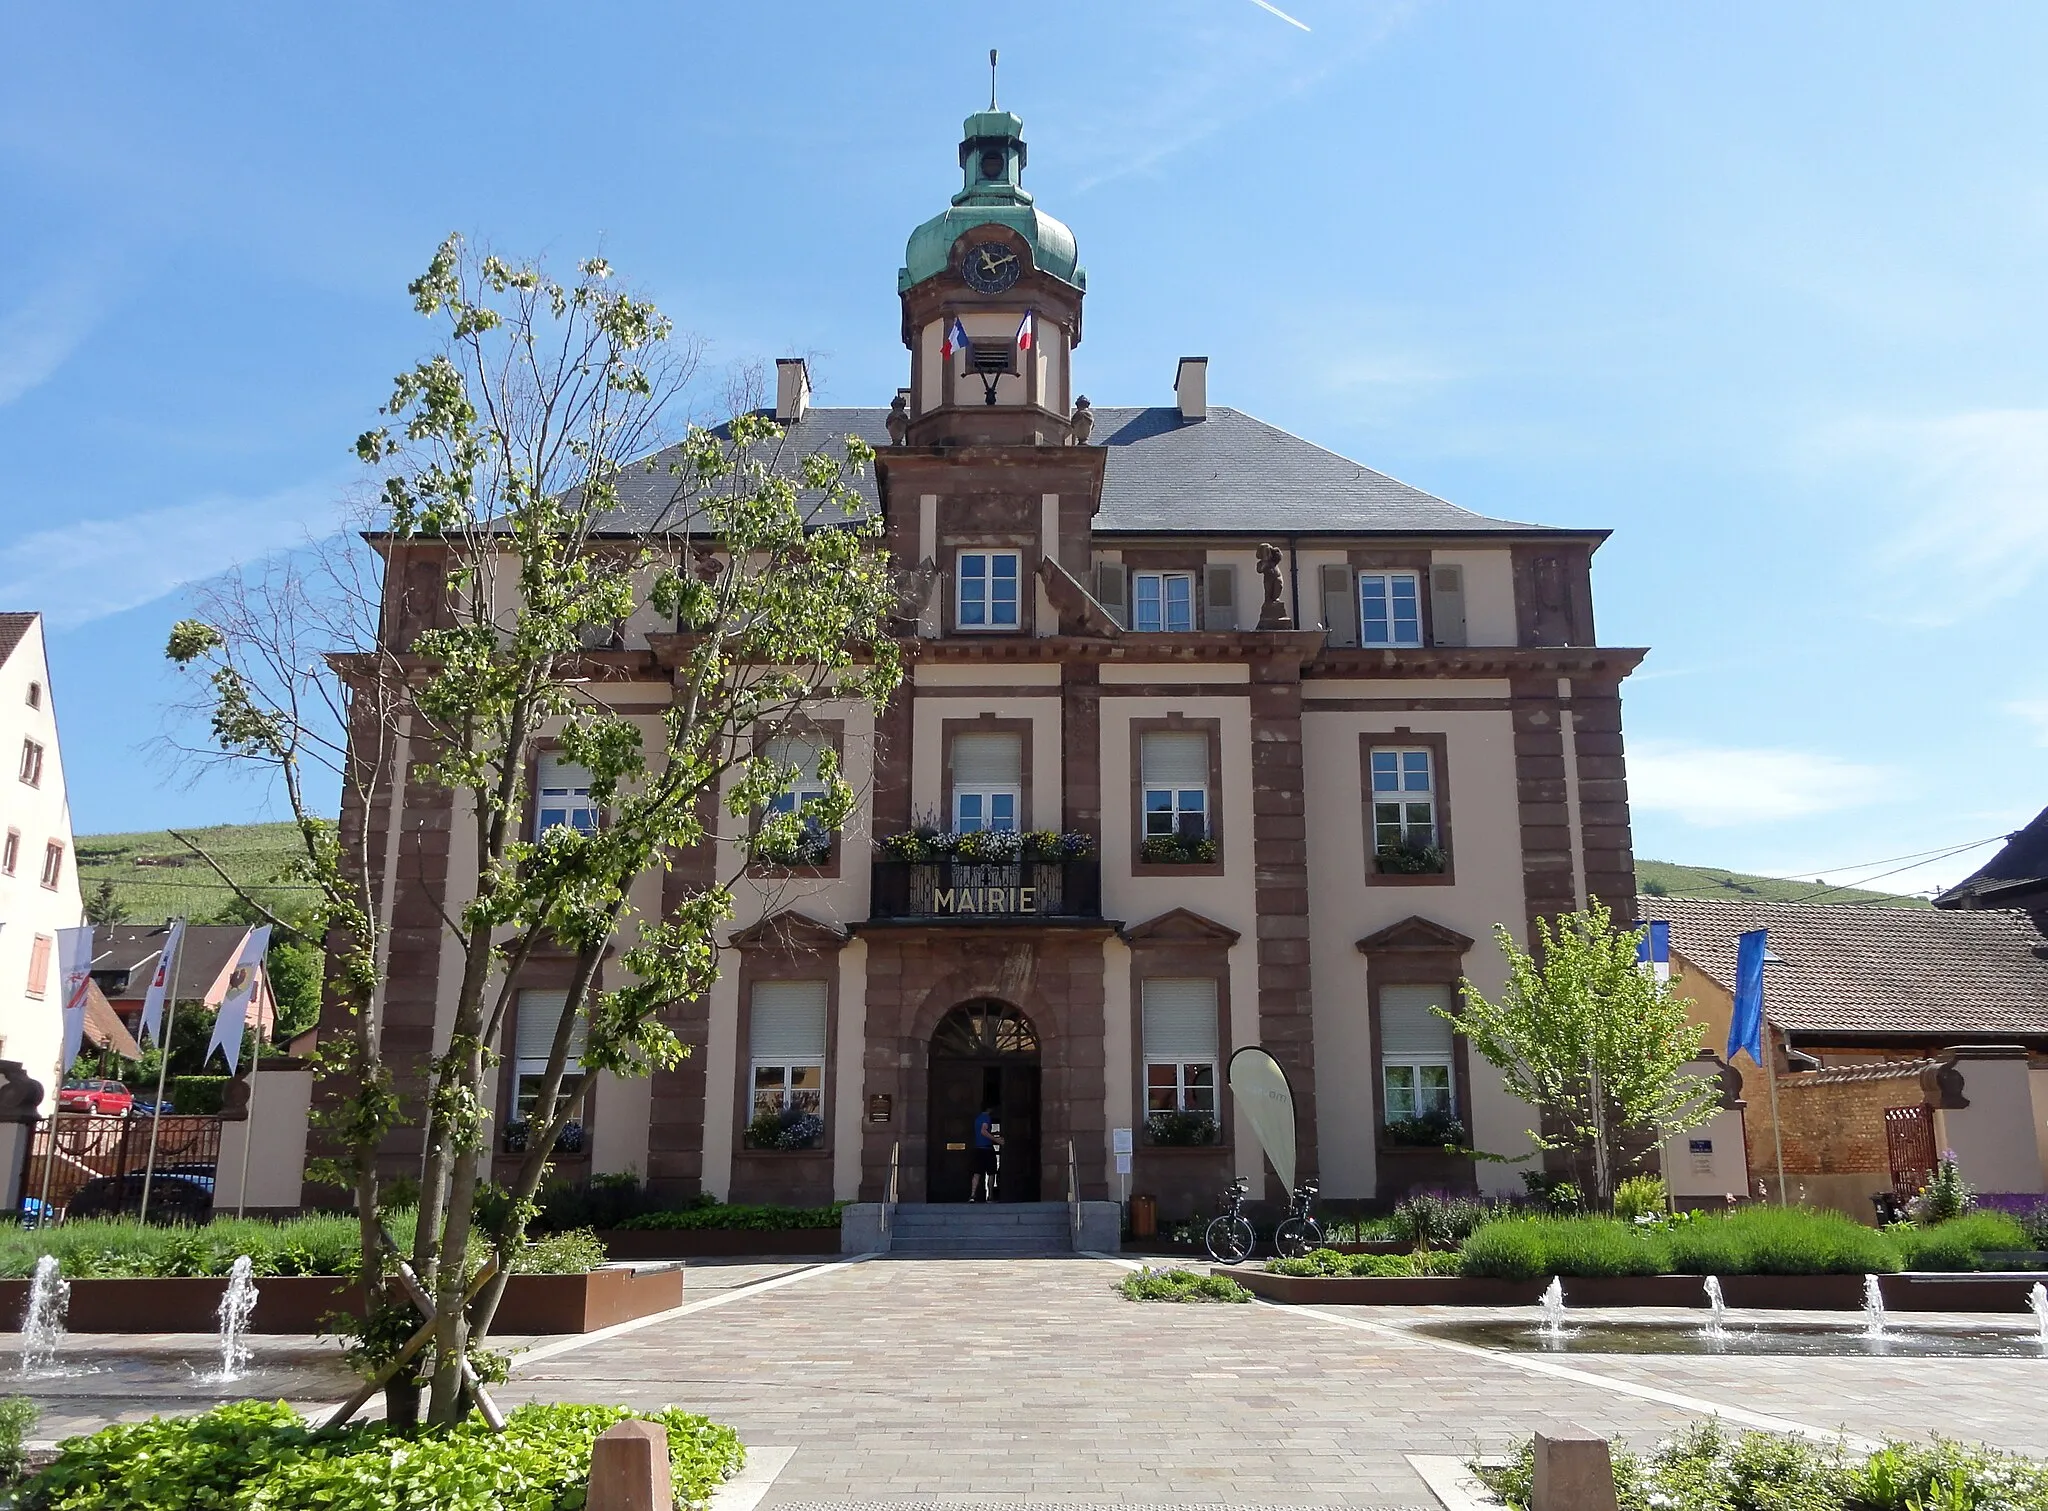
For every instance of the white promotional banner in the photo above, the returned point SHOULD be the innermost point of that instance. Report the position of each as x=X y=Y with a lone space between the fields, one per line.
x=1267 y=1102
x=74 y=971
x=153 y=999
x=233 y=1016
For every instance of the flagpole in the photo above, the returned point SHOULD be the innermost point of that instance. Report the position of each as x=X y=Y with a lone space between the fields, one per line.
x=163 y=1065
x=255 y=1064
x=1777 y=1128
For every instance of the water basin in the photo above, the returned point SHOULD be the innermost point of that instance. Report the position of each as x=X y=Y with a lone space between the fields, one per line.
x=1848 y=1340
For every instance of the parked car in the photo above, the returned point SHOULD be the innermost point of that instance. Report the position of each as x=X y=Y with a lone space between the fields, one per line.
x=144 y=1109
x=177 y=1193
x=101 y=1098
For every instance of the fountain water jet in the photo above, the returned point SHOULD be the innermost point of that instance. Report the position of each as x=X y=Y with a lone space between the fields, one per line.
x=236 y=1304
x=1717 y=1319
x=42 y=1325
x=2037 y=1303
x=1873 y=1307
x=1553 y=1308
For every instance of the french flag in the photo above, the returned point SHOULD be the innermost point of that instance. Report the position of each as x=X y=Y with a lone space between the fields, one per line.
x=1653 y=951
x=956 y=339
x=1026 y=332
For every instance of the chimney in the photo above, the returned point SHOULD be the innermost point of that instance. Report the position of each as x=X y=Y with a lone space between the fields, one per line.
x=1191 y=386
x=792 y=389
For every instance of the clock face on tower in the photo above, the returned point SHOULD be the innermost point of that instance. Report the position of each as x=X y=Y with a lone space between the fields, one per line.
x=991 y=267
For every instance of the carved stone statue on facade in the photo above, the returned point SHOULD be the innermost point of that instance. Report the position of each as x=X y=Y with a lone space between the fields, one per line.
x=899 y=420
x=1083 y=421
x=914 y=587
x=1273 y=614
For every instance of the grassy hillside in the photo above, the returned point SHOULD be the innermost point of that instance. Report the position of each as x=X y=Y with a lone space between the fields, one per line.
x=155 y=877
x=1727 y=886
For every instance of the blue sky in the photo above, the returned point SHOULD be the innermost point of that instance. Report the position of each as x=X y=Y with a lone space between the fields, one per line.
x=1759 y=287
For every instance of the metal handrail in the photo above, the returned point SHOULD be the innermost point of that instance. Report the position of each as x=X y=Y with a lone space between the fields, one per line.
x=1073 y=1195
x=889 y=1205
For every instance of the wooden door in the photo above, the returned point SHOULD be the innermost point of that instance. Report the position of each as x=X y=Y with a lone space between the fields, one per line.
x=1019 y=1111
x=956 y=1093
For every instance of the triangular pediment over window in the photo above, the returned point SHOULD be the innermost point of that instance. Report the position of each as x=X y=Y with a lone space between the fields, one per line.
x=790 y=930
x=1179 y=923
x=1416 y=933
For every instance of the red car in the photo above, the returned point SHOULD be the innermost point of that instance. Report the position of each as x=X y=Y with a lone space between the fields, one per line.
x=102 y=1098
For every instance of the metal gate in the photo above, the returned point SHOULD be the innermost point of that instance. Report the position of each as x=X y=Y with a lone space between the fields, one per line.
x=89 y=1147
x=1909 y=1143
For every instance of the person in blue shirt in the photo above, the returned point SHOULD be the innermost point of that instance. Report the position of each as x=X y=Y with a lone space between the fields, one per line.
x=988 y=1139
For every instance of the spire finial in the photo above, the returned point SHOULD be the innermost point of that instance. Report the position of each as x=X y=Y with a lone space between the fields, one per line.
x=991 y=78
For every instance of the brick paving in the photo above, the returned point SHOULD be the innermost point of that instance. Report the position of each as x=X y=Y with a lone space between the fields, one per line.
x=1007 y=1382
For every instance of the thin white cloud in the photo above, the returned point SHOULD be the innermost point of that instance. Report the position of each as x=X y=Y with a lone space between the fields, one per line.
x=2032 y=712
x=37 y=335
x=88 y=570
x=1970 y=511
x=1721 y=787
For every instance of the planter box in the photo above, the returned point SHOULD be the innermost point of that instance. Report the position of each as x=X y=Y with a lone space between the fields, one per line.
x=716 y=1243
x=301 y=1303
x=1823 y=1293
x=1321 y=1290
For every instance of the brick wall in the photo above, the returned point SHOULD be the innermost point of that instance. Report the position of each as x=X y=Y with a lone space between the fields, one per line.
x=1833 y=1119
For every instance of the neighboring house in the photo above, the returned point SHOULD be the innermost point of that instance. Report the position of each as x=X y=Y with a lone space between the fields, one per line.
x=2016 y=877
x=1315 y=776
x=38 y=871
x=125 y=957
x=1875 y=1012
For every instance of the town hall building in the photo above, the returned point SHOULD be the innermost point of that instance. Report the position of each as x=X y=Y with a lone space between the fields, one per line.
x=1279 y=739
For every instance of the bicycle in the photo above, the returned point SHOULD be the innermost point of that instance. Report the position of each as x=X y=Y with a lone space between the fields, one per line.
x=1229 y=1238
x=1299 y=1231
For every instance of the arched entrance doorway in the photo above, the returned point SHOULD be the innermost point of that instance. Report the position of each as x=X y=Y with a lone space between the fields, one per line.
x=984 y=1054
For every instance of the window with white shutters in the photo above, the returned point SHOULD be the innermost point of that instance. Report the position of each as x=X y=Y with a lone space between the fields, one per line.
x=787 y=1047
x=1182 y=1050
x=1175 y=779
x=533 y=1040
x=988 y=781
x=1415 y=1053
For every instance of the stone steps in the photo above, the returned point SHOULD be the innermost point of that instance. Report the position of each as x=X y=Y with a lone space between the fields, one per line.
x=981 y=1229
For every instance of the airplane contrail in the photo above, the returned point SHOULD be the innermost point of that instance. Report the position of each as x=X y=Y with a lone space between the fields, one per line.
x=1267 y=5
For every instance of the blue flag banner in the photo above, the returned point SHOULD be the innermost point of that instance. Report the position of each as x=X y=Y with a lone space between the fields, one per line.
x=1653 y=950
x=1746 y=1025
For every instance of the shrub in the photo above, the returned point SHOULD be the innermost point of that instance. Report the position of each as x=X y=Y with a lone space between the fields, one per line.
x=197 y=1095
x=603 y=1201
x=2025 y=1207
x=1443 y=1219
x=1180 y=1285
x=1527 y=1248
x=1780 y=1241
x=17 y=1415
x=1640 y=1196
x=1553 y=1193
x=1328 y=1262
x=1957 y=1244
x=573 y=1253
x=1946 y=1195
x=1707 y=1468
x=718 y=1215
x=262 y=1456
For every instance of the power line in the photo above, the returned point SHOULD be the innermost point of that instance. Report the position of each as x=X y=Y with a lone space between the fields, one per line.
x=1938 y=852
x=1915 y=863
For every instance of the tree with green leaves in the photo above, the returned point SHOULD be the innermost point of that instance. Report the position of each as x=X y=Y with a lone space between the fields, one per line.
x=539 y=493
x=1597 y=1046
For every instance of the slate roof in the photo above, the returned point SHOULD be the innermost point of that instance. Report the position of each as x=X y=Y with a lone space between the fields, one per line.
x=2020 y=869
x=1229 y=474
x=12 y=628
x=1871 y=971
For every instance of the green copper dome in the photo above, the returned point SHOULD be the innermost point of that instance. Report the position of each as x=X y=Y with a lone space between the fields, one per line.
x=992 y=157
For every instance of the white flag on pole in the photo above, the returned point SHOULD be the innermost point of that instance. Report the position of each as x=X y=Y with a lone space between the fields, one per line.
x=74 y=970
x=153 y=1000
x=229 y=1022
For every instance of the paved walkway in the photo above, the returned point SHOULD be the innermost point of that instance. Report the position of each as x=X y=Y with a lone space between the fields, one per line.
x=929 y=1382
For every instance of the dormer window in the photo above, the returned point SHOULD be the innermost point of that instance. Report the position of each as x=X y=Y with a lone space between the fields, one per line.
x=1162 y=601
x=987 y=594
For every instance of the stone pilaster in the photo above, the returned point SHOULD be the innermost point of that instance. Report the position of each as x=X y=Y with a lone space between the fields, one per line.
x=1280 y=862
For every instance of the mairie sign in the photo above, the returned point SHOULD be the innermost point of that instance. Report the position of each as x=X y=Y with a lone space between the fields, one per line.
x=985 y=900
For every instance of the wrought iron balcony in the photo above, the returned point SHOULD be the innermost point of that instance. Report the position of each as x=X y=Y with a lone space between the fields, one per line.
x=1021 y=891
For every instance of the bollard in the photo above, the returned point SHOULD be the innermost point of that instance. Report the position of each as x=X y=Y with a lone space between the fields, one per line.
x=629 y=1469
x=1574 y=1472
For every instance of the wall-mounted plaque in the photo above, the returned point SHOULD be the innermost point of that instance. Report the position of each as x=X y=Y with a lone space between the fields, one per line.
x=880 y=1106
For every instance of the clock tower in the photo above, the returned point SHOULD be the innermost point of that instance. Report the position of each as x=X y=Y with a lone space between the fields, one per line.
x=991 y=292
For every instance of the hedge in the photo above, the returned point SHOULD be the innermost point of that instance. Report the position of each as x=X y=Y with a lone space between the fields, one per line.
x=753 y=1219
